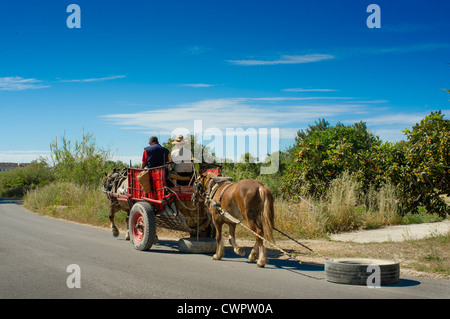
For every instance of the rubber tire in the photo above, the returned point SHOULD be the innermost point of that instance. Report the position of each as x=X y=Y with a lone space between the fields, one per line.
x=353 y=271
x=204 y=245
x=148 y=214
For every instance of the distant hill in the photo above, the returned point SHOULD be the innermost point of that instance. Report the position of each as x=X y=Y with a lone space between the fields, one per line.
x=5 y=167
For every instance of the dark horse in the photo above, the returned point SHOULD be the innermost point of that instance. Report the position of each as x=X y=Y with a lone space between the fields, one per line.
x=116 y=182
x=247 y=199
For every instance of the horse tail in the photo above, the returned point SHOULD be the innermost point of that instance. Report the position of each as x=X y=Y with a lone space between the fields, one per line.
x=268 y=214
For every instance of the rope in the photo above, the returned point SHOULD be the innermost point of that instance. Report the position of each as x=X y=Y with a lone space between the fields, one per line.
x=179 y=200
x=293 y=239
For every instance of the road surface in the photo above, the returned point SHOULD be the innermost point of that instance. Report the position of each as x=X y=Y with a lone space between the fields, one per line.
x=36 y=251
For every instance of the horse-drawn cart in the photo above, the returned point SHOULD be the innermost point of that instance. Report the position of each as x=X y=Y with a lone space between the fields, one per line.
x=164 y=201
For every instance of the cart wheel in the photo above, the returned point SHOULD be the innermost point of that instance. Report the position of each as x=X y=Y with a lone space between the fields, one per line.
x=142 y=226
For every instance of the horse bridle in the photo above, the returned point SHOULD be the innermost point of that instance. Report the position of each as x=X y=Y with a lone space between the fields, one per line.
x=199 y=190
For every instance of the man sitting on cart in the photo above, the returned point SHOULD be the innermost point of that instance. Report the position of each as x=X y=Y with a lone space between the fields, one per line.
x=181 y=155
x=154 y=154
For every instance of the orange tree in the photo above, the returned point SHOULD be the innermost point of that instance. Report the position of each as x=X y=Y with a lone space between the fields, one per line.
x=421 y=169
x=323 y=152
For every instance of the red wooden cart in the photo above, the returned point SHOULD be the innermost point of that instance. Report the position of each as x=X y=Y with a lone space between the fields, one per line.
x=167 y=205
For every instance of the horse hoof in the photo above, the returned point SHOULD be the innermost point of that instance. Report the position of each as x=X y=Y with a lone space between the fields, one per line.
x=127 y=236
x=262 y=263
x=115 y=233
x=215 y=257
x=239 y=251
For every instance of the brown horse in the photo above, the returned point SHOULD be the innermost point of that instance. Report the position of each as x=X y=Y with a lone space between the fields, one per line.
x=247 y=199
x=116 y=183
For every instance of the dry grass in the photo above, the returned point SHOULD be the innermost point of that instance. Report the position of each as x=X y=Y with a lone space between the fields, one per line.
x=72 y=202
x=342 y=209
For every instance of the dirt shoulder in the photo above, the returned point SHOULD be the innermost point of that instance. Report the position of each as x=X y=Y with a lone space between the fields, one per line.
x=418 y=257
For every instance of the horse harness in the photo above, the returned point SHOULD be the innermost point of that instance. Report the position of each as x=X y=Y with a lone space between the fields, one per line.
x=226 y=215
x=210 y=192
x=113 y=181
x=217 y=185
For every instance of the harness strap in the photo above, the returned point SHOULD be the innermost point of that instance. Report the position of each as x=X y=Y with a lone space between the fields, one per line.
x=223 y=191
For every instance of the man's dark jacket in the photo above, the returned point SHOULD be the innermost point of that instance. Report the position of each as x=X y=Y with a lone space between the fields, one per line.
x=155 y=155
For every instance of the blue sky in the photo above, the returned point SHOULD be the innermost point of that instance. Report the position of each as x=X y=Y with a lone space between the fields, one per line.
x=141 y=68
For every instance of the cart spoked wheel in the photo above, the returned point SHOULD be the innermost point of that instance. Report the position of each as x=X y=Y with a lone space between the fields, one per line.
x=142 y=226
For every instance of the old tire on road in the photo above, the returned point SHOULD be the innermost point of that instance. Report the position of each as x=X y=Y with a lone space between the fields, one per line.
x=204 y=245
x=356 y=271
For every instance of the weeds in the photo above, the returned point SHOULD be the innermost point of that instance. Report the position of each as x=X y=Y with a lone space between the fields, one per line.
x=81 y=162
x=73 y=202
x=342 y=208
x=17 y=182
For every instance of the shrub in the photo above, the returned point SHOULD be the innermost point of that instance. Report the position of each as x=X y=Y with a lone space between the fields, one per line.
x=17 y=182
x=81 y=163
x=70 y=201
x=323 y=152
x=421 y=170
x=342 y=207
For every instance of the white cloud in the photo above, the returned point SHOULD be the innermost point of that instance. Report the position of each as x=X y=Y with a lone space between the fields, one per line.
x=285 y=59
x=232 y=113
x=17 y=83
x=396 y=118
x=308 y=90
x=95 y=79
x=21 y=156
x=391 y=134
x=197 y=85
x=195 y=50
x=287 y=114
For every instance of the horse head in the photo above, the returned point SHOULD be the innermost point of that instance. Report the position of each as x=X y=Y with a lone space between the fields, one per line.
x=201 y=187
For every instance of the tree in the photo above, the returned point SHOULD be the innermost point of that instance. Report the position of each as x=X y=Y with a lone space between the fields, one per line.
x=323 y=152
x=81 y=162
x=423 y=174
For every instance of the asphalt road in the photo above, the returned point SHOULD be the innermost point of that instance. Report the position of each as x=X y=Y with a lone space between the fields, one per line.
x=36 y=251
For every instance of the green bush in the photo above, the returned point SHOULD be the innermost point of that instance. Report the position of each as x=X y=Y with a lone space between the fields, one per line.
x=324 y=152
x=17 y=182
x=421 y=168
x=82 y=162
x=80 y=203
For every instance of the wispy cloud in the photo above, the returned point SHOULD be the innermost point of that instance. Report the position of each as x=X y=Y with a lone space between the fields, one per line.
x=411 y=28
x=95 y=79
x=396 y=118
x=21 y=156
x=196 y=50
x=289 y=114
x=17 y=83
x=411 y=48
x=285 y=59
x=309 y=90
x=197 y=85
x=270 y=112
